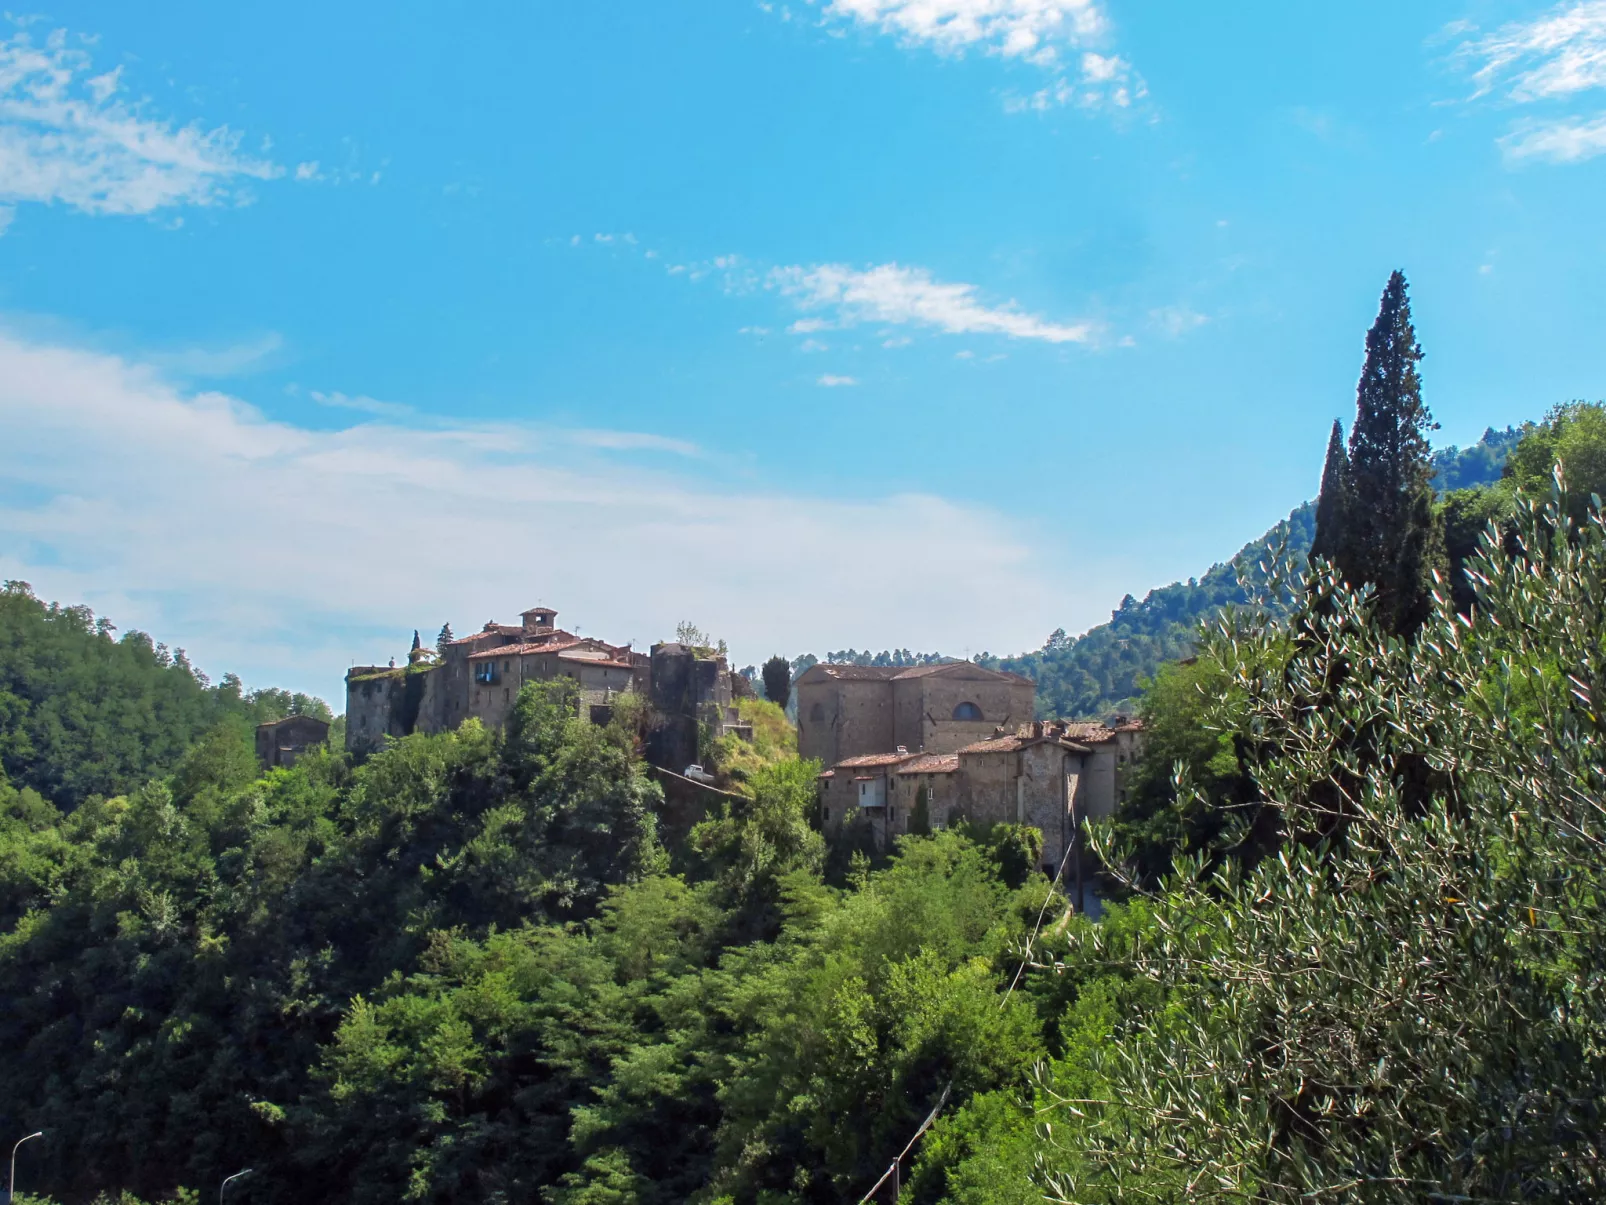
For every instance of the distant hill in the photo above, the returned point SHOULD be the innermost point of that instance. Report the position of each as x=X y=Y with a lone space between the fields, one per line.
x=1100 y=673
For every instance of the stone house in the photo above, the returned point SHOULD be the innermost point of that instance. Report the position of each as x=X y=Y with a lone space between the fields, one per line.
x=480 y=676
x=848 y=711
x=281 y=742
x=1050 y=775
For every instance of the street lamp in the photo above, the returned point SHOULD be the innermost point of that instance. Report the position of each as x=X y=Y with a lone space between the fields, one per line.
x=225 y=1183
x=11 y=1184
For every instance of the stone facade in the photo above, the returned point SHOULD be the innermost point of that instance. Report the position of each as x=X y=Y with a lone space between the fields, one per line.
x=480 y=676
x=689 y=691
x=1048 y=775
x=848 y=711
x=281 y=742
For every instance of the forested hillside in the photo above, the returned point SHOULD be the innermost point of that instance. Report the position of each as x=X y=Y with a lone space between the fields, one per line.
x=83 y=712
x=1101 y=672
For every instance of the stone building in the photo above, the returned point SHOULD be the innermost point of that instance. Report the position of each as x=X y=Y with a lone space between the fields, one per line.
x=281 y=742
x=689 y=692
x=1050 y=775
x=479 y=677
x=853 y=710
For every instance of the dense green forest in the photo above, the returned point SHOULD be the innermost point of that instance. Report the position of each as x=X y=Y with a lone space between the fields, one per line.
x=85 y=713
x=1356 y=911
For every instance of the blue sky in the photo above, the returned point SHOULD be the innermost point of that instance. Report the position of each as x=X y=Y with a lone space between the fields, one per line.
x=935 y=323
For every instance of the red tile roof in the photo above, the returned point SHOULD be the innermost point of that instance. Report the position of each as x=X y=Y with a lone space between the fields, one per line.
x=998 y=744
x=475 y=637
x=932 y=763
x=560 y=643
x=518 y=650
x=874 y=759
x=1021 y=740
x=1089 y=734
x=888 y=673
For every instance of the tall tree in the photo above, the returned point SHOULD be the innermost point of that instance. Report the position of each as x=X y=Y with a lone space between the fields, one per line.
x=444 y=639
x=1330 y=502
x=778 y=680
x=1388 y=536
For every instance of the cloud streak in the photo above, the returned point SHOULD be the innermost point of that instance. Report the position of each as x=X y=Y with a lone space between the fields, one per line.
x=1062 y=37
x=1557 y=55
x=286 y=552
x=68 y=137
x=893 y=294
x=1564 y=141
x=1555 y=58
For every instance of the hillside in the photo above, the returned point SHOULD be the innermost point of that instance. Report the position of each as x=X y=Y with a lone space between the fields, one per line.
x=84 y=712
x=1101 y=672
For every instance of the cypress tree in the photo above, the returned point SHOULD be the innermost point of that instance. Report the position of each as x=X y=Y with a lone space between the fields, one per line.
x=777 y=680
x=1386 y=534
x=1330 y=503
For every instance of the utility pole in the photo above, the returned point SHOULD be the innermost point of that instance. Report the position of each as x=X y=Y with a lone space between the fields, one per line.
x=11 y=1184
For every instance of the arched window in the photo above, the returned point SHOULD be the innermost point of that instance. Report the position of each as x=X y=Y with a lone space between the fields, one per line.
x=817 y=713
x=967 y=711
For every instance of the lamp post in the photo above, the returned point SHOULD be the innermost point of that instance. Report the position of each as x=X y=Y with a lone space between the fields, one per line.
x=226 y=1181
x=11 y=1184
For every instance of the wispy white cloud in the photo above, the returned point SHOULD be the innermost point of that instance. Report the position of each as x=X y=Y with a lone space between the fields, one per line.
x=286 y=553
x=832 y=381
x=899 y=295
x=360 y=403
x=1176 y=320
x=1556 y=55
x=632 y=441
x=1063 y=37
x=67 y=136
x=1553 y=59
x=228 y=361
x=1566 y=140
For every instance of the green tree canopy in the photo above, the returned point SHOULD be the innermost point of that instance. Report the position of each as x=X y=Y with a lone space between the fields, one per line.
x=1377 y=523
x=778 y=680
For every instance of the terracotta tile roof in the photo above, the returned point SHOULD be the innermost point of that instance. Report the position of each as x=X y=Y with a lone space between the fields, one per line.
x=475 y=637
x=889 y=673
x=874 y=759
x=932 y=763
x=826 y=774
x=850 y=673
x=998 y=744
x=1089 y=734
x=926 y=671
x=518 y=650
x=1021 y=740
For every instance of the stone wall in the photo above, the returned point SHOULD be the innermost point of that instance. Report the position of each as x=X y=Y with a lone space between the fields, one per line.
x=282 y=742
x=839 y=719
x=850 y=711
x=1004 y=701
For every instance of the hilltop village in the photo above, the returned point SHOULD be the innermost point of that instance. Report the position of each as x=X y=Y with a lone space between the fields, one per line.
x=900 y=747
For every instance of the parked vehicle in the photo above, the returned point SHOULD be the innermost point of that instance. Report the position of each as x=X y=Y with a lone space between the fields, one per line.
x=698 y=774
